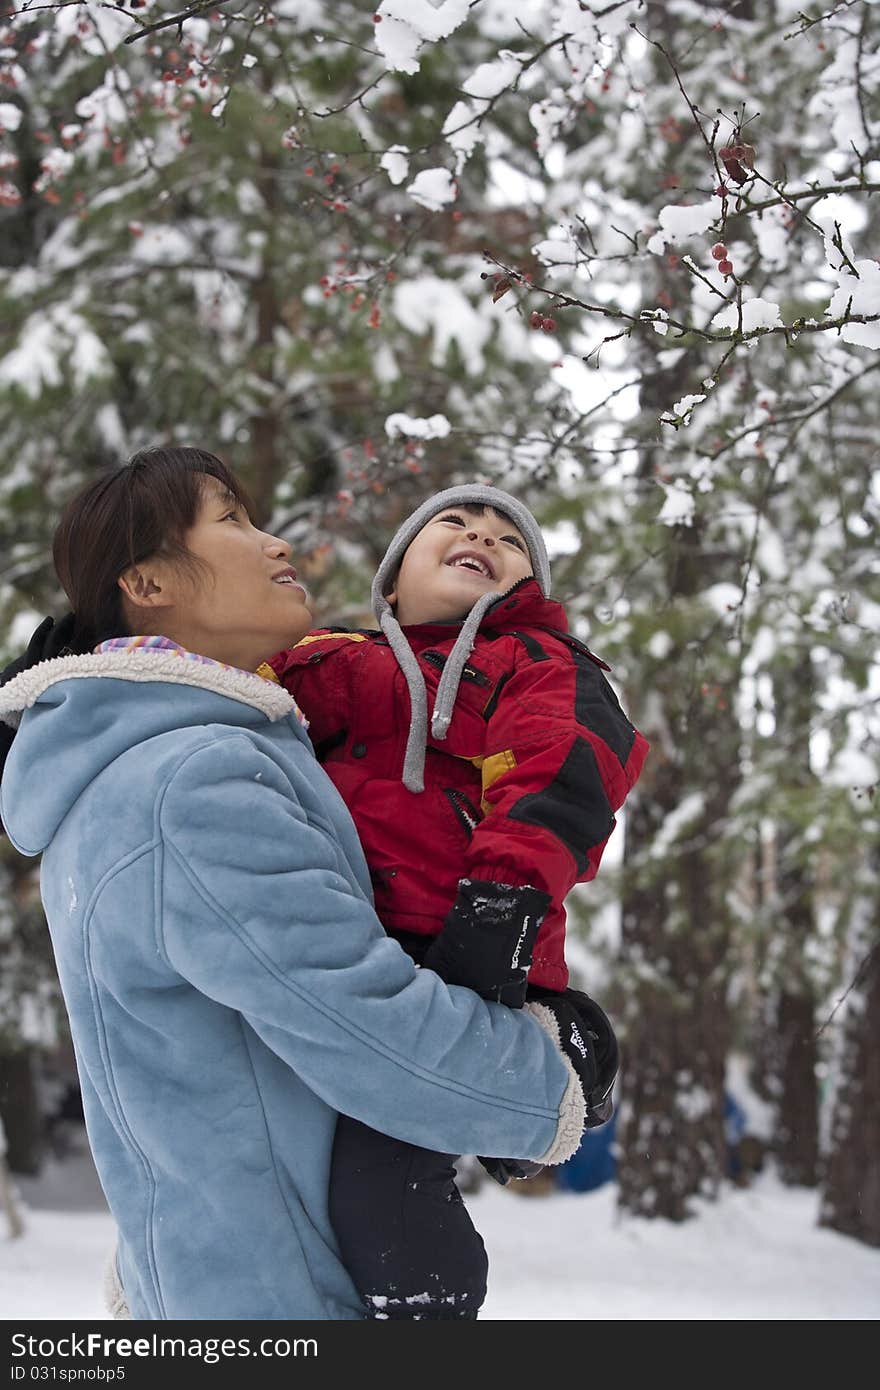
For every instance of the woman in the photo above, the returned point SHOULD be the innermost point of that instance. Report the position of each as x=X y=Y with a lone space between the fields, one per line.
x=228 y=985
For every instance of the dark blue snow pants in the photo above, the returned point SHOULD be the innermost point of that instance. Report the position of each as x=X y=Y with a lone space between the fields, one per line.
x=404 y=1232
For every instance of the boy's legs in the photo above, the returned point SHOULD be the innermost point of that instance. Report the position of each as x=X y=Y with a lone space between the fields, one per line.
x=404 y=1233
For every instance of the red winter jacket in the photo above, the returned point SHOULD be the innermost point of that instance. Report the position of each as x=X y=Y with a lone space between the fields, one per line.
x=523 y=789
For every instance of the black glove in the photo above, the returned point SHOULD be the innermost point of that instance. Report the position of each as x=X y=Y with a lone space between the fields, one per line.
x=487 y=939
x=588 y=1041
x=50 y=639
x=503 y=1169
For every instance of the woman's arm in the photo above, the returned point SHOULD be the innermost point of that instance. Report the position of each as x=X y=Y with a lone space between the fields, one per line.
x=272 y=924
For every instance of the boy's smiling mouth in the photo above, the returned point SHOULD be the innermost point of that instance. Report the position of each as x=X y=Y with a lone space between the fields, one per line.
x=470 y=560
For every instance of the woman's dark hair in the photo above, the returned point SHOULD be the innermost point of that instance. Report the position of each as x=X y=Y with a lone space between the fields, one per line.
x=139 y=510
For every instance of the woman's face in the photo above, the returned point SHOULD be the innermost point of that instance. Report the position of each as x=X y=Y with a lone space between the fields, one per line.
x=243 y=603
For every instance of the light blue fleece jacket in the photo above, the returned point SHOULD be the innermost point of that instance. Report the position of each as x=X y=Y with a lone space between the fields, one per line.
x=230 y=988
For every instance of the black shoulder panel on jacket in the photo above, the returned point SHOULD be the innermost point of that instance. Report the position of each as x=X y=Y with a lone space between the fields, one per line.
x=578 y=646
x=597 y=708
x=573 y=807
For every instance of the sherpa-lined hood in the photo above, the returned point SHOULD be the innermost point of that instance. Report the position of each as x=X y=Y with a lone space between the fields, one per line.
x=71 y=727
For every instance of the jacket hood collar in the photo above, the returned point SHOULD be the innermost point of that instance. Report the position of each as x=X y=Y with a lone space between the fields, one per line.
x=144 y=665
x=525 y=606
x=83 y=712
x=521 y=606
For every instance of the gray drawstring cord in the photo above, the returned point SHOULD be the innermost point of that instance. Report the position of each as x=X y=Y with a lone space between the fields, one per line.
x=450 y=680
x=414 y=759
x=447 y=690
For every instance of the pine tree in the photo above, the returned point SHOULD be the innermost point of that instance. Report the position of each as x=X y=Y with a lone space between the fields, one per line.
x=613 y=258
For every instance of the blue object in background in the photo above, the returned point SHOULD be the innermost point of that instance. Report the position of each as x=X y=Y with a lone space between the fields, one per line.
x=734 y=1120
x=594 y=1162
x=734 y=1129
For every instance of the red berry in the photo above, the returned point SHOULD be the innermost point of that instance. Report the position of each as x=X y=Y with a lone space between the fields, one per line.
x=377 y=19
x=536 y=320
x=725 y=267
x=722 y=191
x=719 y=251
x=549 y=325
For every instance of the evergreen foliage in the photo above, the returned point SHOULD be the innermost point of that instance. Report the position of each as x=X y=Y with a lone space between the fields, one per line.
x=616 y=258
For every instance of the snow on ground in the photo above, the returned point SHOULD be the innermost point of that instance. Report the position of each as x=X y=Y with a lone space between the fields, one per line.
x=755 y=1255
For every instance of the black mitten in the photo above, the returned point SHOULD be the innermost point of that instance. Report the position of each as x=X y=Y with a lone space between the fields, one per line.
x=588 y=1041
x=487 y=939
x=486 y=943
x=49 y=640
x=592 y=1047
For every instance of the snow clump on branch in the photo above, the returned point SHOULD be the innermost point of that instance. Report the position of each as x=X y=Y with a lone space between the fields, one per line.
x=679 y=222
x=403 y=25
x=433 y=188
x=414 y=427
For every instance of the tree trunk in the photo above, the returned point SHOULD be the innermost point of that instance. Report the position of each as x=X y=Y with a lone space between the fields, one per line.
x=265 y=464
x=671 y=1130
x=20 y=1111
x=796 y=1142
x=792 y=1051
x=851 y=1195
x=676 y=914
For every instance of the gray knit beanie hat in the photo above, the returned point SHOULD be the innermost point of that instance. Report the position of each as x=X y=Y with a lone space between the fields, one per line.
x=469 y=494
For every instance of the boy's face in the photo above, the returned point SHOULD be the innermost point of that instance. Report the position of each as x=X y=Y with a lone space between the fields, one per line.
x=456 y=558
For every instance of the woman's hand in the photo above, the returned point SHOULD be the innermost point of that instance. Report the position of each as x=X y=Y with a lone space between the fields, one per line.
x=49 y=640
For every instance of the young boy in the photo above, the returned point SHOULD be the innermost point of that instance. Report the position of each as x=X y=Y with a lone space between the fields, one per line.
x=482 y=755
